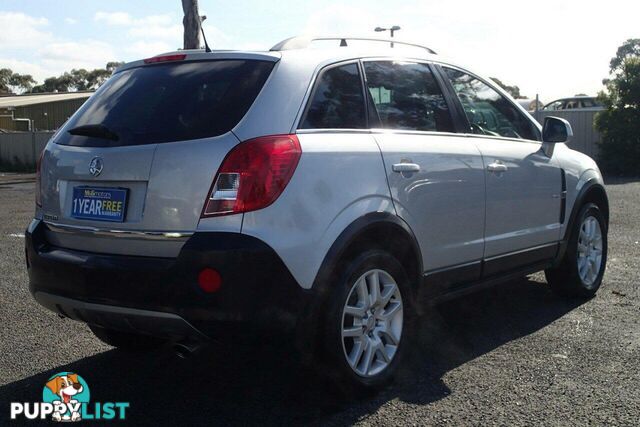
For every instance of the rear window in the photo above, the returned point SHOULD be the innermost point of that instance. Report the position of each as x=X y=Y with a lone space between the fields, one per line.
x=170 y=102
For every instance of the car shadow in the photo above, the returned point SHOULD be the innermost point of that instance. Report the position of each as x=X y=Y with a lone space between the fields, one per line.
x=264 y=385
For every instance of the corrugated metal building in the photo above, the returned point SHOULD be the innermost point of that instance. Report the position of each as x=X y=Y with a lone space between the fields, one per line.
x=36 y=112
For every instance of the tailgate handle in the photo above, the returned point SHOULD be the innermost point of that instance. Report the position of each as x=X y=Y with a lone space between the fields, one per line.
x=406 y=167
x=497 y=167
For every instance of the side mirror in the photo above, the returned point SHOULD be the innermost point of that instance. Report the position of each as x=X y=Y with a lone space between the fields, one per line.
x=555 y=130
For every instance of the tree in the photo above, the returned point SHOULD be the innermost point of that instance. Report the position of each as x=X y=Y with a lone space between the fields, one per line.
x=628 y=49
x=619 y=123
x=191 y=23
x=514 y=91
x=113 y=65
x=11 y=82
x=78 y=79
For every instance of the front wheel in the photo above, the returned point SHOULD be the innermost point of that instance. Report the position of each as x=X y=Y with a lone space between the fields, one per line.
x=369 y=320
x=580 y=272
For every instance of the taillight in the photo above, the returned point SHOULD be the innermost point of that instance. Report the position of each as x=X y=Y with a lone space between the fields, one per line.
x=253 y=175
x=38 y=181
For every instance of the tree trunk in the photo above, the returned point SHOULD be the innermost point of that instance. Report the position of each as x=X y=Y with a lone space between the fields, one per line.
x=191 y=22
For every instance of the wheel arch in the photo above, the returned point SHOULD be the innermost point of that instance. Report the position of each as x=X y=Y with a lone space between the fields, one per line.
x=591 y=192
x=381 y=230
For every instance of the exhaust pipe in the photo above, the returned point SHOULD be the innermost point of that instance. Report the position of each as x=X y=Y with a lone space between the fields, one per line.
x=185 y=349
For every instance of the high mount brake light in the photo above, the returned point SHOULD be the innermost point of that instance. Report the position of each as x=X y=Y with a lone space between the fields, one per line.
x=165 y=58
x=253 y=175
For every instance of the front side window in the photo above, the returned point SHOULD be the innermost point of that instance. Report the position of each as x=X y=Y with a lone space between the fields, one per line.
x=337 y=101
x=488 y=112
x=407 y=96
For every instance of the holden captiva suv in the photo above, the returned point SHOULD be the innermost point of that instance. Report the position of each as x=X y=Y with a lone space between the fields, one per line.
x=330 y=189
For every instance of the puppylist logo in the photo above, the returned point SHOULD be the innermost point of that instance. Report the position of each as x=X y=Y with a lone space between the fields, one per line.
x=65 y=398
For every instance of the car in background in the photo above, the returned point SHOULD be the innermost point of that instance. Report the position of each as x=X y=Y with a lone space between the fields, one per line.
x=575 y=103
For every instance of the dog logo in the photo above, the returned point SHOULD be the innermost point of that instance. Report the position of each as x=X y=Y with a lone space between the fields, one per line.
x=65 y=398
x=67 y=392
x=95 y=166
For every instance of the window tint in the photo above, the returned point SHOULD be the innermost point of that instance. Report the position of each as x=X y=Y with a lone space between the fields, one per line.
x=170 y=102
x=490 y=113
x=338 y=102
x=407 y=96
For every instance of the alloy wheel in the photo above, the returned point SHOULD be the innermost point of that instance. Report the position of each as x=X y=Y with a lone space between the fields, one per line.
x=372 y=320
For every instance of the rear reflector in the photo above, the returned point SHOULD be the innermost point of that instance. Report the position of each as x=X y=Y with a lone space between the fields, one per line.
x=165 y=58
x=209 y=280
x=253 y=175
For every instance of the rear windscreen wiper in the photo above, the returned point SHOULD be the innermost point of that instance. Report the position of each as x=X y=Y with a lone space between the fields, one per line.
x=96 y=131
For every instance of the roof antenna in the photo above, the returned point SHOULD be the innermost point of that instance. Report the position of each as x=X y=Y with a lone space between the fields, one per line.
x=343 y=42
x=206 y=45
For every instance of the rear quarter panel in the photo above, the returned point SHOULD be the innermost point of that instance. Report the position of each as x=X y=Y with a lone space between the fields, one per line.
x=340 y=177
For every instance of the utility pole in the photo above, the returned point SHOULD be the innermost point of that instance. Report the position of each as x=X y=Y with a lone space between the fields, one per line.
x=191 y=22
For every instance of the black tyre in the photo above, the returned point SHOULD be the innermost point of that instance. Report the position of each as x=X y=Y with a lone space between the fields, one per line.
x=126 y=341
x=369 y=321
x=580 y=272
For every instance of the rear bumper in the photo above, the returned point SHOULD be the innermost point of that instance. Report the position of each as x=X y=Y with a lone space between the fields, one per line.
x=160 y=296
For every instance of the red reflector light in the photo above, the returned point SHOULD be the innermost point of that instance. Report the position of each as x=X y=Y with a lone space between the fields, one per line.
x=209 y=280
x=253 y=175
x=165 y=58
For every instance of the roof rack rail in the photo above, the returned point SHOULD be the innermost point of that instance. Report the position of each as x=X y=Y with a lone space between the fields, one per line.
x=301 y=42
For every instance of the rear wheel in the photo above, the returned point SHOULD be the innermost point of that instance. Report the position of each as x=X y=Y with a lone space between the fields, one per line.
x=369 y=320
x=581 y=270
x=126 y=341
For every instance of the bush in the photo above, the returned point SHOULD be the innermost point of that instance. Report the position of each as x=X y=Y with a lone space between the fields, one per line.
x=619 y=123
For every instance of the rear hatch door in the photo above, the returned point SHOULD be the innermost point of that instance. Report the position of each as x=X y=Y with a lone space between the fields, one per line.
x=140 y=155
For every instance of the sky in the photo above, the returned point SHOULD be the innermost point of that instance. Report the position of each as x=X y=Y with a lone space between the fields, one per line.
x=552 y=48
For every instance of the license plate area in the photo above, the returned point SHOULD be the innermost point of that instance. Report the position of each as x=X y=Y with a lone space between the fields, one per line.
x=99 y=203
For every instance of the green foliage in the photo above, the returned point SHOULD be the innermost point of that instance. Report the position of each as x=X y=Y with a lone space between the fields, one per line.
x=619 y=123
x=629 y=49
x=11 y=82
x=78 y=79
x=514 y=91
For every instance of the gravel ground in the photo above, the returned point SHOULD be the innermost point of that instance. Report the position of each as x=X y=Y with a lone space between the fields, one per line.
x=513 y=354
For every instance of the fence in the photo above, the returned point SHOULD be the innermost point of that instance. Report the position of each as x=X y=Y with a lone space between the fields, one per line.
x=20 y=150
x=585 y=137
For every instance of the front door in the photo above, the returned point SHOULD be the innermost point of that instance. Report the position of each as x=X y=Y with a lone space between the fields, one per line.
x=523 y=184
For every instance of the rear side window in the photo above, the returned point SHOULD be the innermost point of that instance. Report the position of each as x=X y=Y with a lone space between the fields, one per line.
x=170 y=102
x=407 y=96
x=337 y=101
x=488 y=112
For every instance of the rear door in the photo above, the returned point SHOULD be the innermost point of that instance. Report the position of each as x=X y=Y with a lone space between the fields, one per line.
x=435 y=176
x=150 y=141
x=523 y=184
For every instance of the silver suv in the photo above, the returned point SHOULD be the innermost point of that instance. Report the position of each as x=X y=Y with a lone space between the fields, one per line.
x=323 y=191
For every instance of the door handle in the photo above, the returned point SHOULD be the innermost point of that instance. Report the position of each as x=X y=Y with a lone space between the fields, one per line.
x=406 y=167
x=497 y=167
